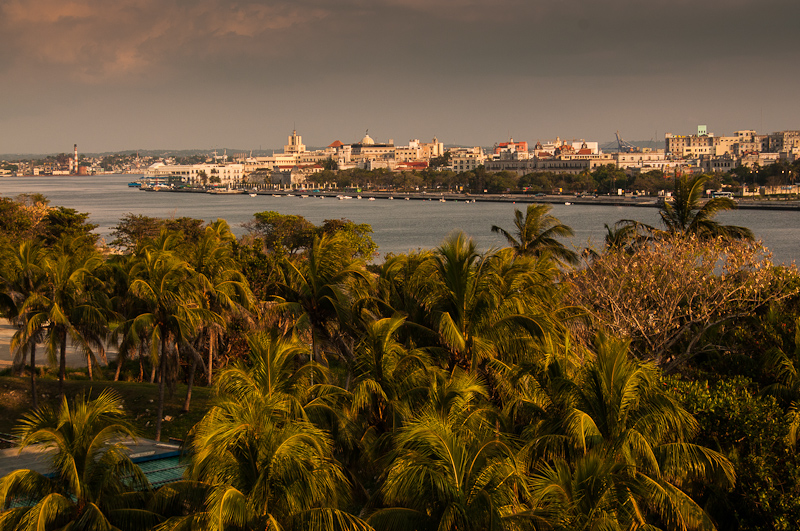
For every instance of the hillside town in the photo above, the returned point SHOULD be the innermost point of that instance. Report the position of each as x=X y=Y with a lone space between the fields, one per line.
x=295 y=167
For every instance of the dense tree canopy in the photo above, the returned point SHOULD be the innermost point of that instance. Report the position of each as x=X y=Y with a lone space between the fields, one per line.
x=514 y=389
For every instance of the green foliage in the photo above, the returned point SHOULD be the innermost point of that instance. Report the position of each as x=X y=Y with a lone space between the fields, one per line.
x=451 y=470
x=93 y=483
x=30 y=217
x=445 y=389
x=609 y=178
x=257 y=462
x=330 y=165
x=60 y=222
x=441 y=161
x=685 y=214
x=357 y=236
x=618 y=453
x=289 y=234
x=135 y=230
x=170 y=302
x=536 y=234
x=750 y=430
x=537 y=181
x=282 y=233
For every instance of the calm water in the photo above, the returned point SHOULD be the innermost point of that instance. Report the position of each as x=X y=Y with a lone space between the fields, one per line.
x=399 y=226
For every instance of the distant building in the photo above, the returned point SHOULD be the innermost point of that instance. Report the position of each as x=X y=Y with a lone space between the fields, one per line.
x=227 y=174
x=510 y=147
x=289 y=178
x=466 y=159
x=295 y=145
x=369 y=150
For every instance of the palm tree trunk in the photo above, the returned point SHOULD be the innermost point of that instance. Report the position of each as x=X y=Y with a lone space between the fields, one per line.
x=162 y=366
x=33 y=375
x=119 y=367
x=62 y=369
x=314 y=346
x=141 y=363
x=22 y=363
x=89 y=365
x=188 y=400
x=210 y=355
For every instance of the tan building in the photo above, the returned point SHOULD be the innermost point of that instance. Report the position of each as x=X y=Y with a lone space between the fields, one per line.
x=466 y=159
x=368 y=150
x=644 y=162
x=784 y=142
x=432 y=149
x=295 y=144
x=410 y=153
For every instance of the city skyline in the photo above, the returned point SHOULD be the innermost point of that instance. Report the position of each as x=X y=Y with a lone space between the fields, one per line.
x=141 y=74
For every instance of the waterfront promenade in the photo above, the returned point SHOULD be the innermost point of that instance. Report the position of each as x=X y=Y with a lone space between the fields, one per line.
x=556 y=199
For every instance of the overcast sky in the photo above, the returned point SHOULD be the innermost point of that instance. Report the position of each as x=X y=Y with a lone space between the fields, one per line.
x=115 y=75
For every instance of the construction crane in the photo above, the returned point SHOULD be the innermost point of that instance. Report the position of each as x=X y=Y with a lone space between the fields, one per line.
x=626 y=147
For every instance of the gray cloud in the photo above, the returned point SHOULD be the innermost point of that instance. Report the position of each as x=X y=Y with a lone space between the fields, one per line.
x=196 y=73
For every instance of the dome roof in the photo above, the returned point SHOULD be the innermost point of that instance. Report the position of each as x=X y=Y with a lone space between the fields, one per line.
x=367 y=140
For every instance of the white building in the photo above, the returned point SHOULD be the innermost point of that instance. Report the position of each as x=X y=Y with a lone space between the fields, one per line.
x=466 y=159
x=223 y=174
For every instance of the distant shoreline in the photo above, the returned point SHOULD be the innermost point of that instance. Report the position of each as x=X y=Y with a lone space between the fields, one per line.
x=603 y=200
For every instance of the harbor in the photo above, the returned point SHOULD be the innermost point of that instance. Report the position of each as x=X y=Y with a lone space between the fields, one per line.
x=555 y=199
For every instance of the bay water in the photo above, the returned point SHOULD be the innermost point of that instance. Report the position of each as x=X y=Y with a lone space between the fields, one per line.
x=399 y=226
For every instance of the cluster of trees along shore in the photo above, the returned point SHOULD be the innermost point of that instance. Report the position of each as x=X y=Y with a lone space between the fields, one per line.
x=651 y=384
x=603 y=179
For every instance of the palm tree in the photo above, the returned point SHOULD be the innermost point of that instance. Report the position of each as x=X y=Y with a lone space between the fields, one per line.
x=22 y=277
x=320 y=286
x=93 y=484
x=257 y=463
x=73 y=304
x=786 y=367
x=619 y=456
x=167 y=292
x=536 y=234
x=452 y=469
x=686 y=215
x=481 y=304
x=274 y=374
x=389 y=375
x=126 y=308
x=224 y=287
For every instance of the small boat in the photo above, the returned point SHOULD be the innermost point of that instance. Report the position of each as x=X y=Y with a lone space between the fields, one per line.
x=371 y=199
x=253 y=194
x=391 y=198
x=408 y=199
x=567 y=204
x=134 y=184
x=303 y=196
x=359 y=197
x=442 y=200
x=289 y=195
